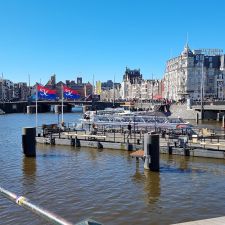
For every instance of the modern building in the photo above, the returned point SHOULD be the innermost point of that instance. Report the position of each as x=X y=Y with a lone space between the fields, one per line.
x=194 y=74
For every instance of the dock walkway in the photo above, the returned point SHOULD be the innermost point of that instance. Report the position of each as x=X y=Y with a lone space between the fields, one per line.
x=205 y=145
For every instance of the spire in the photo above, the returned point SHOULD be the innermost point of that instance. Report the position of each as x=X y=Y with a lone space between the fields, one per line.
x=187 y=51
x=186 y=47
x=187 y=41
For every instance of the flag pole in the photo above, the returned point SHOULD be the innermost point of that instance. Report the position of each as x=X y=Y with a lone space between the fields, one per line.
x=114 y=92
x=36 y=105
x=62 y=102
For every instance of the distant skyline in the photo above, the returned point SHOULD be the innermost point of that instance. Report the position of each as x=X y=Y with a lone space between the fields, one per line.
x=101 y=37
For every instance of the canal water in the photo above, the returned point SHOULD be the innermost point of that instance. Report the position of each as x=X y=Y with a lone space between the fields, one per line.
x=107 y=185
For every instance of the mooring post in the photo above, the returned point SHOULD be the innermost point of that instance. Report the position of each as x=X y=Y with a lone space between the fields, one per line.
x=28 y=141
x=154 y=152
x=84 y=109
x=170 y=148
x=56 y=109
x=197 y=117
x=218 y=117
x=151 y=152
x=28 y=109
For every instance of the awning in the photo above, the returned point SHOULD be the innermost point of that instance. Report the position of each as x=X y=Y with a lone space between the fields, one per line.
x=157 y=97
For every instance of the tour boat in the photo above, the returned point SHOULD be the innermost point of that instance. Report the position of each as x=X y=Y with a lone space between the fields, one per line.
x=142 y=120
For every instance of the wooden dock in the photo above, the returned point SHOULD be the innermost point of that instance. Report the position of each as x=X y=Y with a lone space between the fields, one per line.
x=138 y=154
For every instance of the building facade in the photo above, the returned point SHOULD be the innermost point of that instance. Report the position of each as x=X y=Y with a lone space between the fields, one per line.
x=21 y=91
x=134 y=86
x=6 y=90
x=194 y=74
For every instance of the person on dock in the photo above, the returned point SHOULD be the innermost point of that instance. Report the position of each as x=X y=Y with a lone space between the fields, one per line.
x=62 y=126
x=129 y=130
x=94 y=129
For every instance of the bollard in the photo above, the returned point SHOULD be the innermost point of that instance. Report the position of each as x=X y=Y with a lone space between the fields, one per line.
x=218 y=117
x=99 y=145
x=52 y=140
x=197 y=118
x=151 y=152
x=170 y=150
x=28 y=141
x=223 y=120
x=138 y=142
x=84 y=108
x=77 y=142
x=186 y=152
x=72 y=142
x=129 y=146
x=28 y=109
x=163 y=134
x=57 y=109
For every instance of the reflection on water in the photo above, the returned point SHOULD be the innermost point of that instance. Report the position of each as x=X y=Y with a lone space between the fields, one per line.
x=150 y=181
x=29 y=167
x=107 y=185
x=152 y=186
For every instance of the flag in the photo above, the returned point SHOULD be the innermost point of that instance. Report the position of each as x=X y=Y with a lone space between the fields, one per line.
x=45 y=93
x=98 y=87
x=70 y=93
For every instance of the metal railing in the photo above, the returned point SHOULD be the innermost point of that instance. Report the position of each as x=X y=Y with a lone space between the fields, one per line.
x=25 y=203
x=45 y=214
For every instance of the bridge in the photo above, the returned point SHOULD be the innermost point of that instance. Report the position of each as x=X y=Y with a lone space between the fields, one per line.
x=45 y=106
x=211 y=109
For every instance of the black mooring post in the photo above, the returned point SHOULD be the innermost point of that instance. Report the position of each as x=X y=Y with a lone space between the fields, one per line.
x=28 y=141
x=151 y=152
x=154 y=152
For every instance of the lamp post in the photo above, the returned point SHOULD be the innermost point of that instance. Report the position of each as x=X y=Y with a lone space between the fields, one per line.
x=202 y=90
x=134 y=131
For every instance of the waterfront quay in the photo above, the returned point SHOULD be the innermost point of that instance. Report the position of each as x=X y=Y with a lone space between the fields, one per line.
x=201 y=143
x=205 y=143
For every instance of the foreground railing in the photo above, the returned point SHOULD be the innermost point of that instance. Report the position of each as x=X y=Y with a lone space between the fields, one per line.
x=51 y=217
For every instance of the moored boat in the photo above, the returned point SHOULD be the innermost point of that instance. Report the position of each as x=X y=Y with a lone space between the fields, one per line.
x=141 y=120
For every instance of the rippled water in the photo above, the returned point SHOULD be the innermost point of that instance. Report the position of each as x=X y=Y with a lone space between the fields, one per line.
x=108 y=185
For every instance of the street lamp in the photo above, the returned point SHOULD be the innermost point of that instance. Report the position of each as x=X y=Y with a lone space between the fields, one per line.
x=134 y=131
x=202 y=94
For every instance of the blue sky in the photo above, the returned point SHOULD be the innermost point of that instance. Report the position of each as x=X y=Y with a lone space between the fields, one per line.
x=84 y=37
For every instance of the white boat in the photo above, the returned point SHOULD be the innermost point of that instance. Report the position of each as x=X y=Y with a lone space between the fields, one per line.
x=140 y=120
